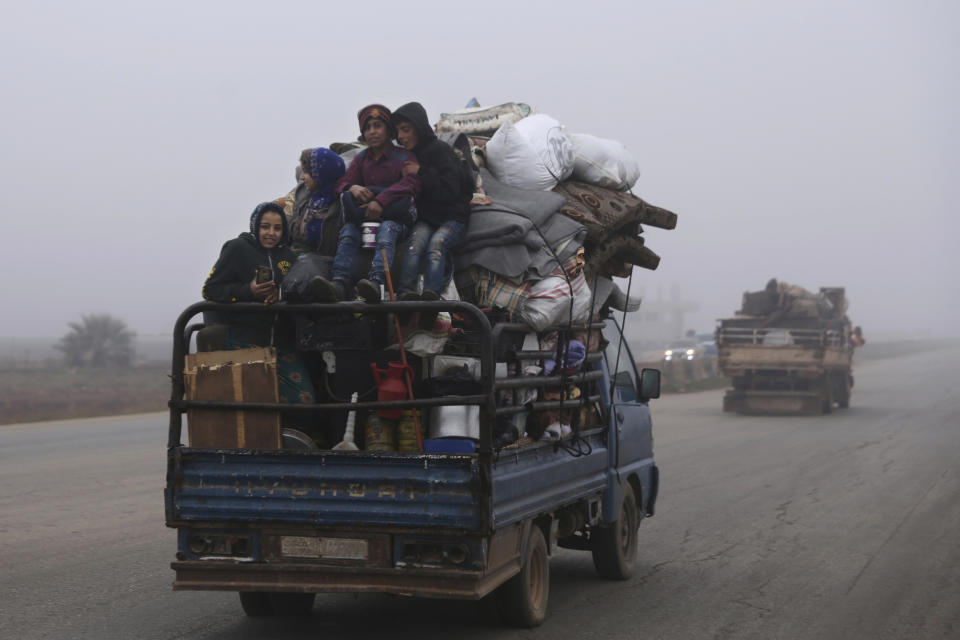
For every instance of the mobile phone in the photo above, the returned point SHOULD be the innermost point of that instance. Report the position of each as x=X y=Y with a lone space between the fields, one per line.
x=264 y=274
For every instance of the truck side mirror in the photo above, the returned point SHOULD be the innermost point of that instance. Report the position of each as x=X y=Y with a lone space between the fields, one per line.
x=649 y=386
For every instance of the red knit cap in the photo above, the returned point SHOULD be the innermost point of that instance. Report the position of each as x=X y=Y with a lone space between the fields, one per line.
x=374 y=111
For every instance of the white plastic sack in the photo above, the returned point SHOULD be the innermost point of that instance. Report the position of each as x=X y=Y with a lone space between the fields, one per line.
x=534 y=153
x=605 y=163
x=549 y=302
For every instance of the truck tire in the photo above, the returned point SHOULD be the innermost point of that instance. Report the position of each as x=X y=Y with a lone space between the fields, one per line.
x=614 y=546
x=256 y=604
x=522 y=600
x=844 y=400
x=292 y=604
x=826 y=393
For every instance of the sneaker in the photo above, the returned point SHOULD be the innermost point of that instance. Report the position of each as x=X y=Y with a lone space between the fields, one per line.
x=427 y=318
x=556 y=431
x=324 y=290
x=369 y=291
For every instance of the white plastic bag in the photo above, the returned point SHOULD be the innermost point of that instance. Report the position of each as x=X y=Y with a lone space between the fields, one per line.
x=605 y=163
x=534 y=153
x=549 y=302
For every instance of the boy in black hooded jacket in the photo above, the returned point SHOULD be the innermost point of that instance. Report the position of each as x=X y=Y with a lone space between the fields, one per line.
x=443 y=204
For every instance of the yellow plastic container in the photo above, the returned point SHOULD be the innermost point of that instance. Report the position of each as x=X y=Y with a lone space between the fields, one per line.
x=379 y=434
x=407 y=433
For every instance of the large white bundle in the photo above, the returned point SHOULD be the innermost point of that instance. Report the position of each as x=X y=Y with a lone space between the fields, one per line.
x=605 y=163
x=534 y=153
x=548 y=304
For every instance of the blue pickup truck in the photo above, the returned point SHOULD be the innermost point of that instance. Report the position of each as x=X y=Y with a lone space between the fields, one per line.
x=280 y=525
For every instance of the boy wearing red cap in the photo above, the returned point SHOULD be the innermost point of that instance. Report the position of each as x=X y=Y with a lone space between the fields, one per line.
x=373 y=188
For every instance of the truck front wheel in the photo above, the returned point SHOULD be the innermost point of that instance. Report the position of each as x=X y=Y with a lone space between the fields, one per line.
x=614 y=546
x=522 y=599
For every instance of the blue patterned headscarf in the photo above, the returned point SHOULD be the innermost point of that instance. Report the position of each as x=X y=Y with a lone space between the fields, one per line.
x=325 y=167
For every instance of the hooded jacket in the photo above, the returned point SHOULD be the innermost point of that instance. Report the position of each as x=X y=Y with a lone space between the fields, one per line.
x=229 y=280
x=446 y=185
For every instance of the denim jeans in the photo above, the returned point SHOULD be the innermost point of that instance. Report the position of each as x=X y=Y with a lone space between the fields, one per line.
x=430 y=246
x=400 y=210
x=388 y=235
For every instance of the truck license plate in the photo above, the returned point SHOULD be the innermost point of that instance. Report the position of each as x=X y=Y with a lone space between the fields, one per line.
x=334 y=548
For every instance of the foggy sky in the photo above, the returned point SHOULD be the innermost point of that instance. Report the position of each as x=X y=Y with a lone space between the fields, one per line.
x=815 y=142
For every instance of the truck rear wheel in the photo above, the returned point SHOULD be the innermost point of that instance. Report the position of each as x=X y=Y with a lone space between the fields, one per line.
x=292 y=604
x=826 y=393
x=522 y=599
x=614 y=546
x=844 y=400
x=256 y=604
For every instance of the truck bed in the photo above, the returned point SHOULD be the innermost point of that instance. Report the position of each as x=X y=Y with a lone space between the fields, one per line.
x=332 y=488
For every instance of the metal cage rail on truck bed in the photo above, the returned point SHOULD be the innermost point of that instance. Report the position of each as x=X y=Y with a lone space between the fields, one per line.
x=777 y=336
x=801 y=351
x=456 y=490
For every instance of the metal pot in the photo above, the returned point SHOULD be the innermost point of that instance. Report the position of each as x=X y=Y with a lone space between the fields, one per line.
x=457 y=421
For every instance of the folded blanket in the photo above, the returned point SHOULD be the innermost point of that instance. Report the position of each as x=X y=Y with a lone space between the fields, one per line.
x=494 y=240
x=495 y=225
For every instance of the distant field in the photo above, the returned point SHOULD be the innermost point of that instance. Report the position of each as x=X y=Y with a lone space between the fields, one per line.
x=31 y=394
x=878 y=350
x=32 y=391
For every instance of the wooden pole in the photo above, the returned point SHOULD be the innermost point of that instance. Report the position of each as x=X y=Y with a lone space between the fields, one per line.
x=408 y=375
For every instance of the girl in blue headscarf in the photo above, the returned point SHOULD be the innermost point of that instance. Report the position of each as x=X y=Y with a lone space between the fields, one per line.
x=316 y=218
x=314 y=214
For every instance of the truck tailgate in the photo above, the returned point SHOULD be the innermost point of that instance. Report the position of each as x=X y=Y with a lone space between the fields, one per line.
x=736 y=358
x=324 y=488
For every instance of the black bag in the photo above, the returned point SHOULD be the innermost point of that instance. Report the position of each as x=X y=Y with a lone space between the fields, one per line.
x=339 y=332
x=759 y=303
x=296 y=284
x=458 y=383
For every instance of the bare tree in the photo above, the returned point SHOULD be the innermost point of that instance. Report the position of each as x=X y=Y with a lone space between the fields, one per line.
x=98 y=340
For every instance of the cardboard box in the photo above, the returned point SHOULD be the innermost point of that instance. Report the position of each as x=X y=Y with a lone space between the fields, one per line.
x=242 y=375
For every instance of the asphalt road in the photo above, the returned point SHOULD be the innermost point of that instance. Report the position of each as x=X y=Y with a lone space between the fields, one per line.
x=839 y=526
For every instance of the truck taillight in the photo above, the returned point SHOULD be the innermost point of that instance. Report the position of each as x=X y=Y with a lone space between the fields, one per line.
x=419 y=553
x=224 y=545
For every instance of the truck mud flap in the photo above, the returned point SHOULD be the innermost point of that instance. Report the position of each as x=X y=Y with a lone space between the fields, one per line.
x=773 y=402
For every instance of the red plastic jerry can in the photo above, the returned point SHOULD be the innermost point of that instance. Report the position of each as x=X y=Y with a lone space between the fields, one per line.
x=391 y=386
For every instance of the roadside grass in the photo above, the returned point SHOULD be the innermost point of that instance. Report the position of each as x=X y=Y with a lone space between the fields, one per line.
x=32 y=394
